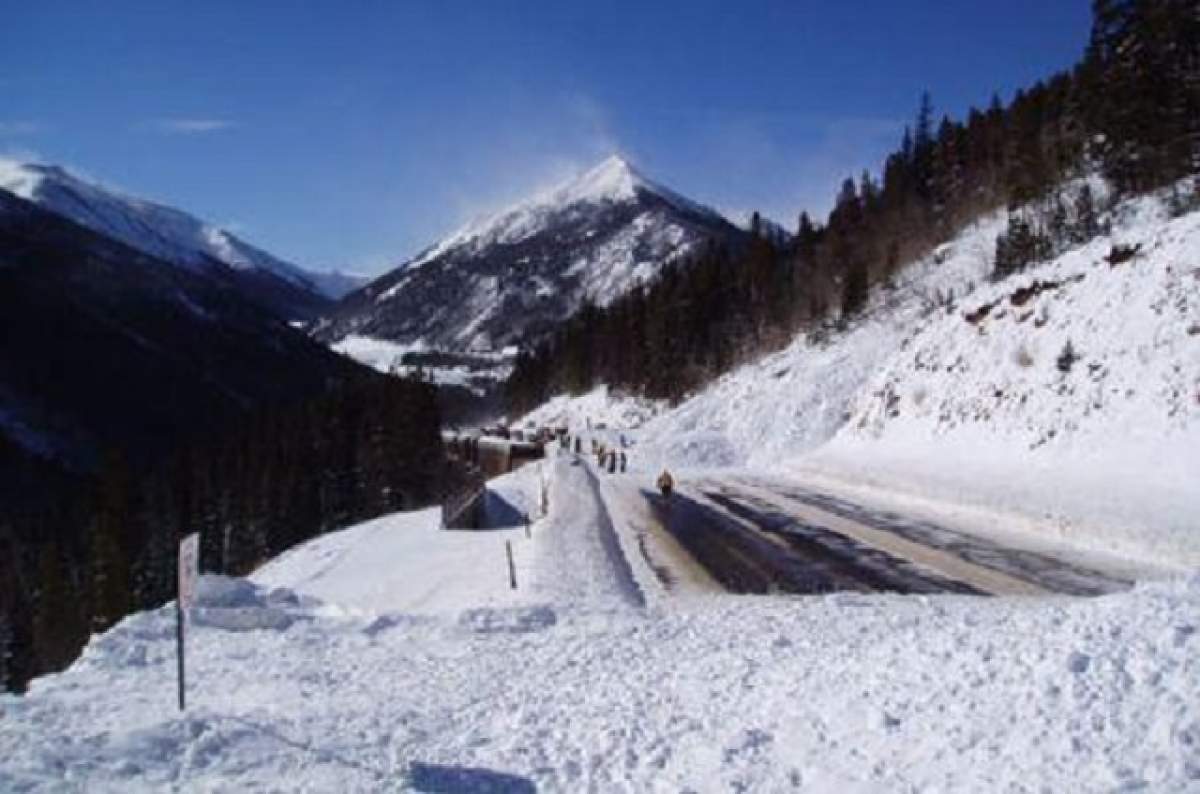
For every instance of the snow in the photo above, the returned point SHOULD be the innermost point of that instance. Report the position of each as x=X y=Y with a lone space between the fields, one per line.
x=913 y=404
x=379 y=354
x=394 y=655
x=404 y=562
x=418 y=670
x=154 y=229
x=1107 y=453
x=601 y=405
x=530 y=266
x=612 y=181
x=485 y=369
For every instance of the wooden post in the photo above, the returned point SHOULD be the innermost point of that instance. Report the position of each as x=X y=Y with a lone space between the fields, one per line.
x=188 y=572
x=512 y=567
x=545 y=494
x=179 y=651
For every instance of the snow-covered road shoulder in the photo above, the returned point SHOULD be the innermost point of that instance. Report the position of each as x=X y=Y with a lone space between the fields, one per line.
x=400 y=563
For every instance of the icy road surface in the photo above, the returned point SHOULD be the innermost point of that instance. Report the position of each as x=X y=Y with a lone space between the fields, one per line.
x=758 y=534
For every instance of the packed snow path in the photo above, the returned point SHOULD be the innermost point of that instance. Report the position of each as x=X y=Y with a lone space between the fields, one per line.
x=578 y=557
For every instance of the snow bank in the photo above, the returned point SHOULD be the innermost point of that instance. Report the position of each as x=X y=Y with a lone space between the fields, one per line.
x=400 y=563
x=231 y=604
x=837 y=693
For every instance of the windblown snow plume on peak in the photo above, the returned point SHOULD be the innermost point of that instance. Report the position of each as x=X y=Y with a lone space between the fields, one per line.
x=155 y=229
x=515 y=275
x=613 y=181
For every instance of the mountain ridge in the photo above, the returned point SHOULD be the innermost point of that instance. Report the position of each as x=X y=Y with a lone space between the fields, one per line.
x=87 y=320
x=510 y=277
x=172 y=235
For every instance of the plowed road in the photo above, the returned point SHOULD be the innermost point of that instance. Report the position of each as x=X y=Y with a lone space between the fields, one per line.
x=759 y=536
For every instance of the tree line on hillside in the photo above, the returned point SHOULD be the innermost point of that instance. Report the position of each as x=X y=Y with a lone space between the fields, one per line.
x=1130 y=108
x=106 y=545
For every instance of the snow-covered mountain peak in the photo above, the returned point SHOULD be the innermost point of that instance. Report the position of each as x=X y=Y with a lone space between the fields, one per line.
x=614 y=181
x=20 y=179
x=155 y=229
x=510 y=277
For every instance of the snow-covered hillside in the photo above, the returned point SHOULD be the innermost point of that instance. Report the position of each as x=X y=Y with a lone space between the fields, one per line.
x=155 y=229
x=928 y=397
x=513 y=276
x=478 y=371
x=1071 y=391
x=394 y=656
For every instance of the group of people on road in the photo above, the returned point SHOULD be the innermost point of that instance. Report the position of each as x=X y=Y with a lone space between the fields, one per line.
x=614 y=460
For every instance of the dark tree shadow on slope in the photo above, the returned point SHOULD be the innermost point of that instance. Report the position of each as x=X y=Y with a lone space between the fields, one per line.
x=439 y=779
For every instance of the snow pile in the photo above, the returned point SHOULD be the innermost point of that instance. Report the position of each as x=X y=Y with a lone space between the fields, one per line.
x=403 y=562
x=238 y=605
x=579 y=689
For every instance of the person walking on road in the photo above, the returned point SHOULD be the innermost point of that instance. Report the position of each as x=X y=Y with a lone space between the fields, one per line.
x=666 y=483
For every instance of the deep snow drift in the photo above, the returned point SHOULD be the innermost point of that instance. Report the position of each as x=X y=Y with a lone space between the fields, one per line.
x=573 y=685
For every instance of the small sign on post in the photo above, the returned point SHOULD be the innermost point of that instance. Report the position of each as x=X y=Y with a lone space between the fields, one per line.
x=189 y=573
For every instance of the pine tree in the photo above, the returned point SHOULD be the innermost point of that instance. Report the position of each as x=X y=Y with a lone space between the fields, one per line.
x=1142 y=74
x=1087 y=221
x=7 y=640
x=111 y=581
x=923 y=150
x=52 y=637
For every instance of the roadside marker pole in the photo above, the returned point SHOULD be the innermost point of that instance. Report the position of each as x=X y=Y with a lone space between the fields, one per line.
x=179 y=650
x=189 y=572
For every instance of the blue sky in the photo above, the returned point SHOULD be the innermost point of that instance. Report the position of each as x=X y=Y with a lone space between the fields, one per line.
x=352 y=134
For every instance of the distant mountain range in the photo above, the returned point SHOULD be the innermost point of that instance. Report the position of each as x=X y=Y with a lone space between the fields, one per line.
x=126 y=324
x=105 y=347
x=175 y=237
x=514 y=276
